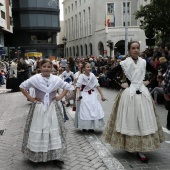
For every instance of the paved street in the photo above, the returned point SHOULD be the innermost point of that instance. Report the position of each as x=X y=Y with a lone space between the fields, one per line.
x=85 y=150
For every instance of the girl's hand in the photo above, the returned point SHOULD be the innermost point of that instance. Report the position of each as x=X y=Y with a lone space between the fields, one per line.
x=32 y=99
x=103 y=98
x=57 y=98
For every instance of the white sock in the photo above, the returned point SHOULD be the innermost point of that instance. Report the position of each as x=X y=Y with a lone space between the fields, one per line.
x=141 y=155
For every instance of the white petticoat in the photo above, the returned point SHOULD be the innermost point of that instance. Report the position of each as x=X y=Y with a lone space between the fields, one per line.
x=44 y=131
x=135 y=115
x=90 y=107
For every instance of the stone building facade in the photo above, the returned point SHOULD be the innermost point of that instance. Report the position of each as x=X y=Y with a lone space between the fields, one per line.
x=90 y=24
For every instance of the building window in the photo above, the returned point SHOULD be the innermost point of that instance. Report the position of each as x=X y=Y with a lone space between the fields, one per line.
x=72 y=7
x=84 y=22
x=89 y=22
x=70 y=52
x=91 y=49
x=124 y=23
x=66 y=11
x=72 y=27
x=80 y=2
x=124 y=7
x=3 y=14
x=76 y=4
x=81 y=47
x=110 y=17
x=10 y=2
x=11 y=21
x=74 y=52
x=80 y=25
x=128 y=13
x=76 y=26
x=69 y=9
x=86 y=49
x=110 y=8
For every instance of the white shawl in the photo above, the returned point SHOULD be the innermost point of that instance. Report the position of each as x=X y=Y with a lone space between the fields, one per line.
x=38 y=82
x=136 y=74
x=90 y=82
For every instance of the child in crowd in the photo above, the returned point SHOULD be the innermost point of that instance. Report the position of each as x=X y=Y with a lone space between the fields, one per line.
x=68 y=76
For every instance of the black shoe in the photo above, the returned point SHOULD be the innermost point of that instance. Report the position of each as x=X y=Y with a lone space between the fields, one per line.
x=68 y=104
x=168 y=127
x=91 y=130
x=84 y=130
x=58 y=161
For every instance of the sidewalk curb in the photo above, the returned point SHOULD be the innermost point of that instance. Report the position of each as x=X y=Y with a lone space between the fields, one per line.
x=110 y=162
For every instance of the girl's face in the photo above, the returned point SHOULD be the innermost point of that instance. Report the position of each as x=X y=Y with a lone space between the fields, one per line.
x=21 y=60
x=163 y=54
x=67 y=68
x=46 y=69
x=80 y=66
x=134 y=50
x=87 y=68
x=158 y=79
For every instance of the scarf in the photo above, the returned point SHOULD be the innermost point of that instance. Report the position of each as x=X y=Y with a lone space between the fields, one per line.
x=38 y=82
x=136 y=74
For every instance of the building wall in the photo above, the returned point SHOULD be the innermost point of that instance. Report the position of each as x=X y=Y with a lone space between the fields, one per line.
x=6 y=25
x=91 y=30
x=5 y=16
x=38 y=22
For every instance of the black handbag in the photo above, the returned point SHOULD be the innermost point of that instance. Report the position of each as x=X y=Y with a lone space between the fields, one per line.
x=167 y=105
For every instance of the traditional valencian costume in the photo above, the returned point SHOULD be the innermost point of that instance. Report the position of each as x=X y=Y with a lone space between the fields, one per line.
x=44 y=135
x=133 y=124
x=89 y=113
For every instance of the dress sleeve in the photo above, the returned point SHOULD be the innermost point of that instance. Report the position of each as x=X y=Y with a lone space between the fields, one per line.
x=64 y=85
x=79 y=81
x=26 y=84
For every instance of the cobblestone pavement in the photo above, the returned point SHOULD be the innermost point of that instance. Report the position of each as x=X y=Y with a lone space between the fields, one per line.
x=159 y=159
x=85 y=150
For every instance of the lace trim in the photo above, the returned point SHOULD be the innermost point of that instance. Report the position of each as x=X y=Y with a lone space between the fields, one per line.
x=124 y=70
x=143 y=76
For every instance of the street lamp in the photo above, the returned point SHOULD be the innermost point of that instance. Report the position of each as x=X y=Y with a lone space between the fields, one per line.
x=64 y=42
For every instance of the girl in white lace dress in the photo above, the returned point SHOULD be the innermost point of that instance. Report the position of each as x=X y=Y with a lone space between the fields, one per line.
x=133 y=124
x=89 y=113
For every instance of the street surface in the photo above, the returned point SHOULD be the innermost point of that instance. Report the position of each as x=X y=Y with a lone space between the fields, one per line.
x=86 y=151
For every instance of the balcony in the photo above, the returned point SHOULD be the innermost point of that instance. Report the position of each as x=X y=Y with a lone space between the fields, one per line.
x=2 y=2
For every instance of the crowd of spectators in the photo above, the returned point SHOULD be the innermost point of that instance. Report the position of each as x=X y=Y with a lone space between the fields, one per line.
x=157 y=60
